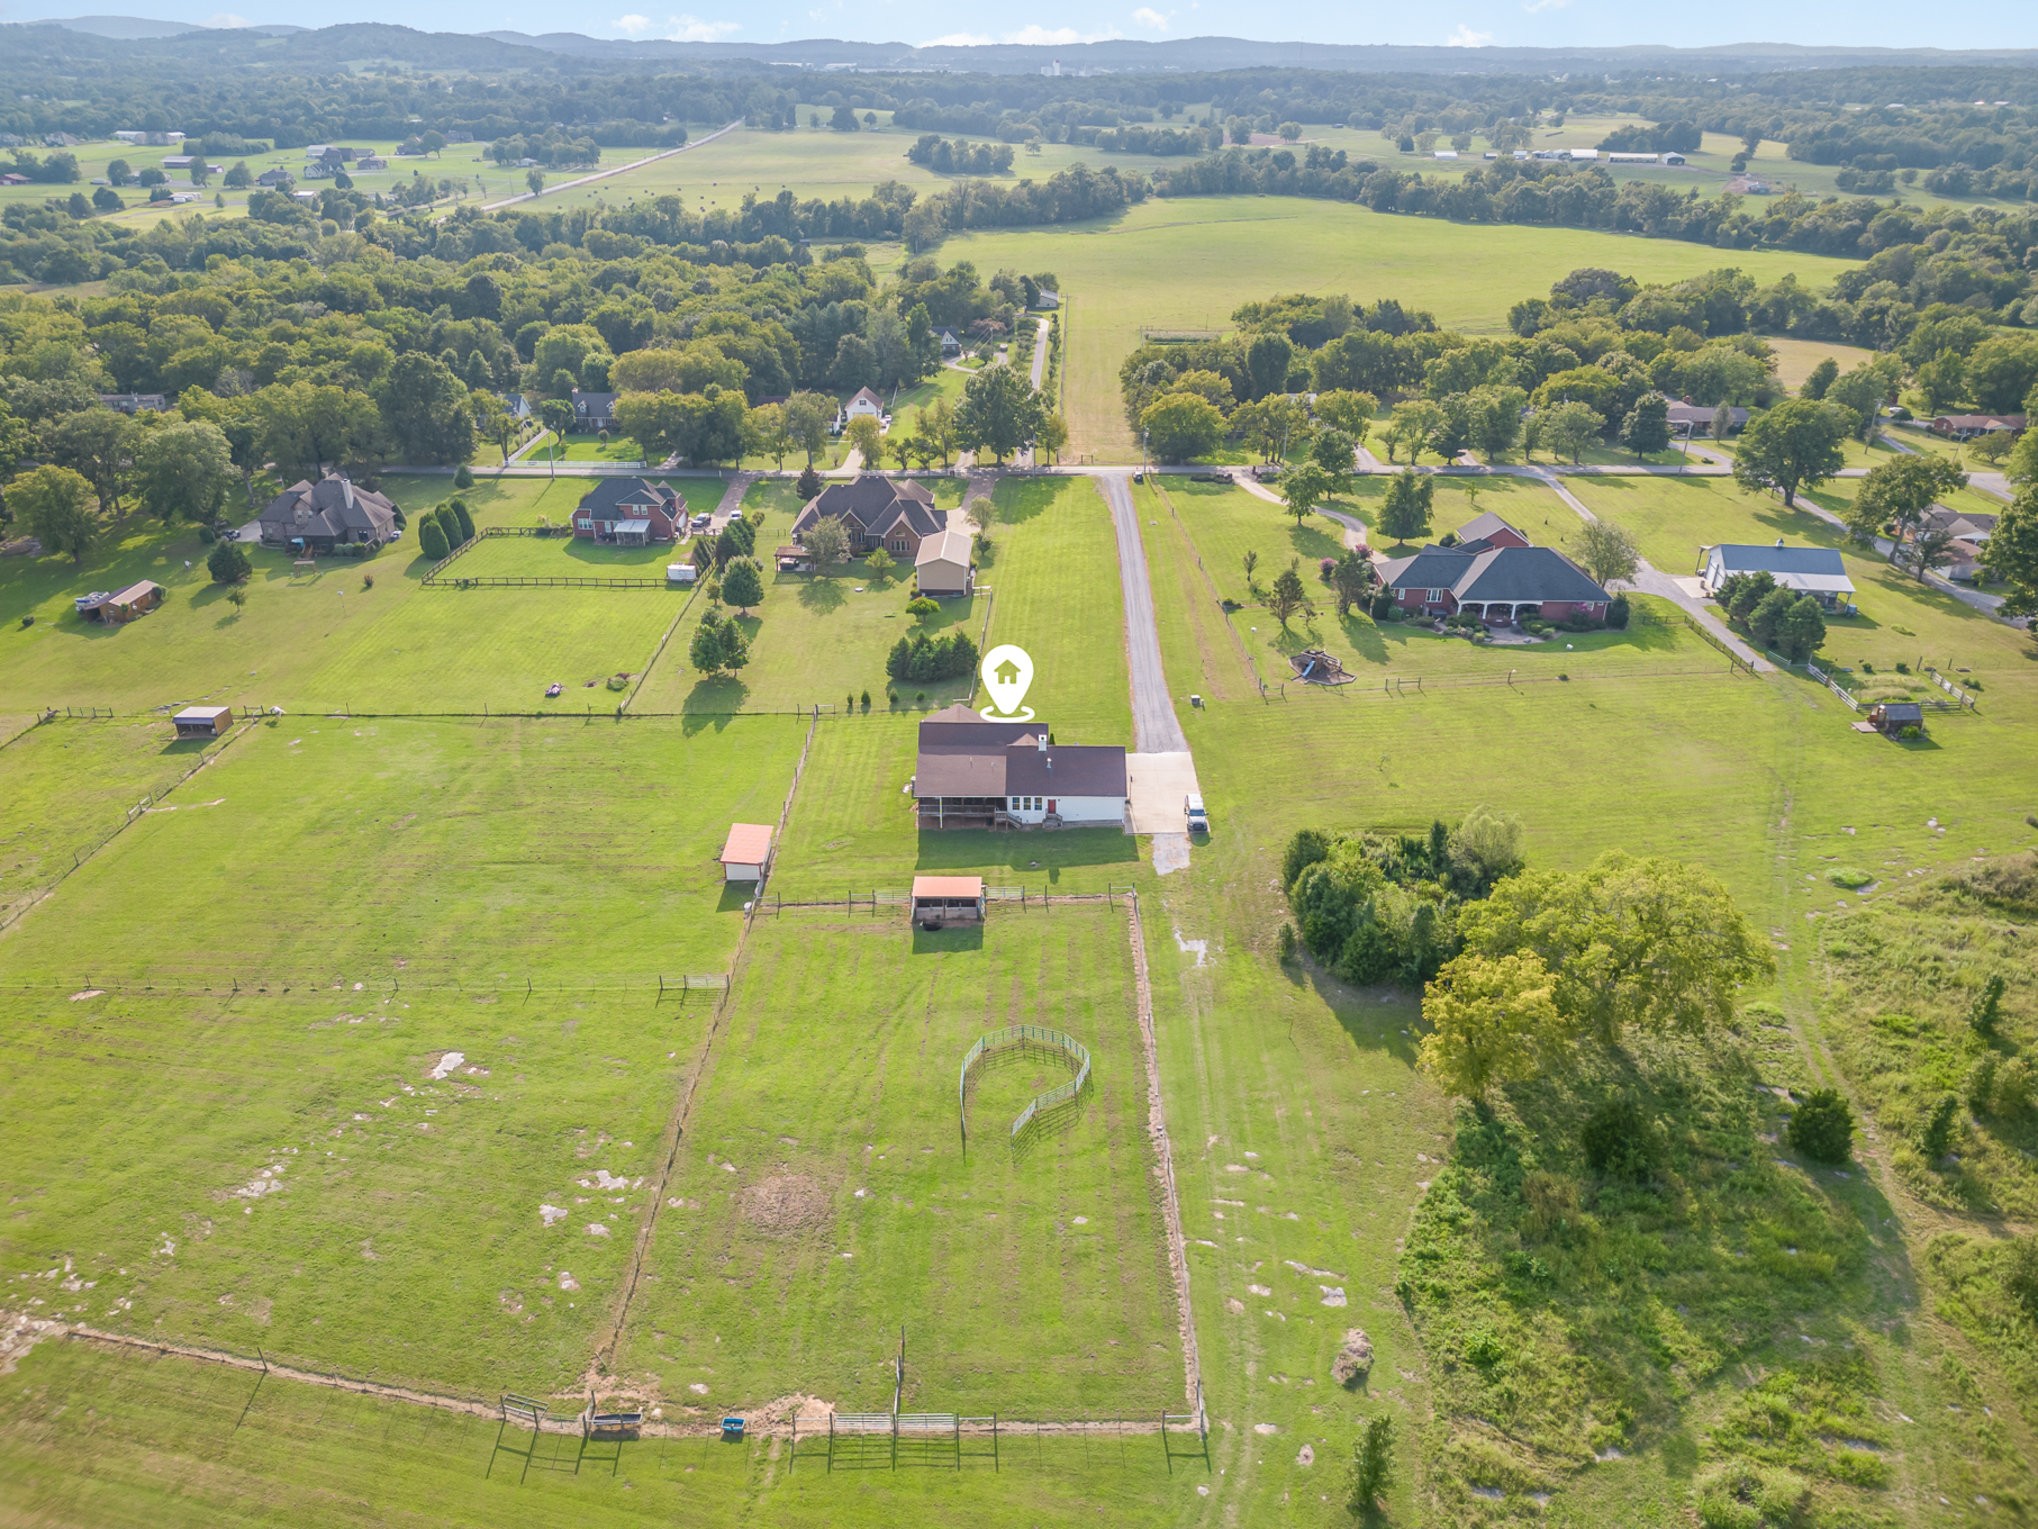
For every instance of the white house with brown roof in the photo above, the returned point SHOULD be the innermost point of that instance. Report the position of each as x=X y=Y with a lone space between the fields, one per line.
x=862 y=404
x=976 y=773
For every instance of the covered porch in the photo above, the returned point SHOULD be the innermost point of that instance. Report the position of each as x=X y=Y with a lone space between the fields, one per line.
x=1502 y=612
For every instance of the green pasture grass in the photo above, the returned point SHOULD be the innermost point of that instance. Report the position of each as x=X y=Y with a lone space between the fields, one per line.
x=618 y=449
x=1796 y=359
x=89 y=1435
x=816 y=1209
x=284 y=1171
x=529 y=557
x=444 y=850
x=815 y=640
x=70 y=785
x=198 y=647
x=1898 y=974
x=1223 y=251
x=1053 y=576
x=1902 y=620
x=448 y=649
x=809 y=163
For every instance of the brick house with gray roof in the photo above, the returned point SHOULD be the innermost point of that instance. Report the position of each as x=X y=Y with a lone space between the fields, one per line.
x=1496 y=575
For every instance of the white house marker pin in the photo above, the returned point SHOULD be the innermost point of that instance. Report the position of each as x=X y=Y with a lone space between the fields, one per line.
x=1007 y=673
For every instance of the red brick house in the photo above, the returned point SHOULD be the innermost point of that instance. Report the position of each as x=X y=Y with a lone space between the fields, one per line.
x=629 y=512
x=1491 y=571
x=876 y=511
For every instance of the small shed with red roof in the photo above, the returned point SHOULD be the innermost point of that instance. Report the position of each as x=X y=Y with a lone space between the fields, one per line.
x=746 y=854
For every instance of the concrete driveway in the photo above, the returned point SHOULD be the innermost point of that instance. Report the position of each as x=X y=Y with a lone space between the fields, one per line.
x=1155 y=785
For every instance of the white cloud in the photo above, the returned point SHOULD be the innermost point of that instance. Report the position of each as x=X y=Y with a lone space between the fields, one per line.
x=1150 y=18
x=693 y=29
x=1034 y=36
x=674 y=28
x=1465 y=37
x=1536 y=7
x=226 y=21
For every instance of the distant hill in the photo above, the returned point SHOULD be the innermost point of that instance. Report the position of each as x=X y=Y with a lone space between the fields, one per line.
x=509 y=49
x=145 y=29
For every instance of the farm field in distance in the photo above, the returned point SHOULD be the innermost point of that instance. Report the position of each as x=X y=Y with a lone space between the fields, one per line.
x=1588 y=1071
x=1222 y=251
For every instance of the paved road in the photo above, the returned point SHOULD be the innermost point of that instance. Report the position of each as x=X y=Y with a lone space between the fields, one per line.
x=602 y=175
x=1155 y=729
x=1040 y=353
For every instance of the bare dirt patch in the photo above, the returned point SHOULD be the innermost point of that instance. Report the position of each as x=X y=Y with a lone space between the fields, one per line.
x=784 y=1204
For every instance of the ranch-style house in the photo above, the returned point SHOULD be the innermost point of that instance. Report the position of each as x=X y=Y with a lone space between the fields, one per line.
x=975 y=773
x=1490 y=570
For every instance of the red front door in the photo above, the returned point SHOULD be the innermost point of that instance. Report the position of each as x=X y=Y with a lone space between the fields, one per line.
x=1051 y=804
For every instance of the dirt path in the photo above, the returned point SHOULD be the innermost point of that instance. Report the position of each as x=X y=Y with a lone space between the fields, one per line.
x=602 y=175
x=1164 y=1161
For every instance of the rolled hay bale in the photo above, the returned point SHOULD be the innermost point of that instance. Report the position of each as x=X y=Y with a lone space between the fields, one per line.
x=1354 y=1361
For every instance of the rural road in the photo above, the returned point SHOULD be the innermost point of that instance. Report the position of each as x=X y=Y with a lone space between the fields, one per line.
x=601 y=175
x=1155 y=729
x=1161 y=769
x=1040 y=334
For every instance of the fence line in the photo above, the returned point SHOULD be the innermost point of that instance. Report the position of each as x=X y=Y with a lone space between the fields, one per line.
x=1959 y=693
x=1252 y=672
x=1734 y=660
x=890 y=897
x=1830 y=683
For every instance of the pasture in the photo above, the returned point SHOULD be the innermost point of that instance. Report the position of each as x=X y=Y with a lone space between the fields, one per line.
x=818 y=1205
x=1222 y=251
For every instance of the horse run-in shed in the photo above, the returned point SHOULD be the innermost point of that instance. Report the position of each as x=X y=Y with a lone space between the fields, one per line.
x=203 y=721
x=746 y=854
x=1897 y=718
x=942 y=900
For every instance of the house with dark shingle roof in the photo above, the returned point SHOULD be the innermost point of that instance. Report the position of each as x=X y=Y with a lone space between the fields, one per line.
x=330 y=513
x=1492 y=572
x=876 y=511
x=975 y=773
x=629 y=512
x=593 y=411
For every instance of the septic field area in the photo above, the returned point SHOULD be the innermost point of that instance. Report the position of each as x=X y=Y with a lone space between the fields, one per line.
x=824 y=1195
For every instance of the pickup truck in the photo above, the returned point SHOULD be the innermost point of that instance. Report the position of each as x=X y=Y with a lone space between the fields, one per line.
x=1192 y=809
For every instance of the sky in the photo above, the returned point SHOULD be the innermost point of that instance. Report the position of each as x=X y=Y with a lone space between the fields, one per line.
x=1464 y=23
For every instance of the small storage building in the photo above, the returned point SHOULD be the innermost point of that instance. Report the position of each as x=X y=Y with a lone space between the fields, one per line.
x=746 y=854
x=122 y=606
x=943 y=569
x=1895 y=717
x=203 y=721
x=944 y=900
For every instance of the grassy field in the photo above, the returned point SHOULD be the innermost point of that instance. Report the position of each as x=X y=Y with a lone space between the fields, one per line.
x=1221 y=251
x=1901 y=620
x=815 y=1210
x=72 y=786
x=442 y=850
x=809 y=163
x=202 y=1447
x=329 y=638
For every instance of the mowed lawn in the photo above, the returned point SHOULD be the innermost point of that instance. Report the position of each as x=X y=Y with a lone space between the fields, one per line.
x=423 y=853
x=1219 y=252
x=1197 y=535
x=69 y=785
x=351 y=1180
x=1902 y=620
x=1053 y=571
x=820 y=1204
x=357 y=632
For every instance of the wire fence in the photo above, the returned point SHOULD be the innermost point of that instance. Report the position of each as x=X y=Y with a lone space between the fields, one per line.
x=873 y=898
